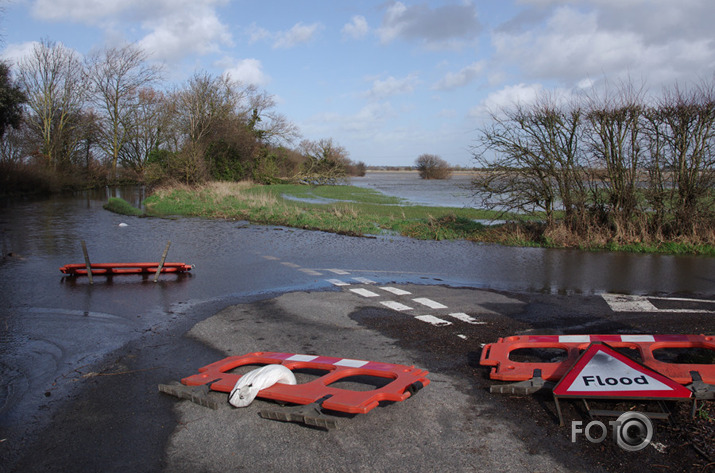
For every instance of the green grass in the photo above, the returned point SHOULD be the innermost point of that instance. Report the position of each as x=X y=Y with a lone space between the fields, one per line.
x=121 y=206
x=358 y=211
x=349 y=210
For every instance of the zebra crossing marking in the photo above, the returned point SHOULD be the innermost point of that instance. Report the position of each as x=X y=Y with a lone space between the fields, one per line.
x=429 y=303
x=365 y=292
x=395 y=291
x=466 y=318
x=431 y=319
x=395 y=305
x=337 y=282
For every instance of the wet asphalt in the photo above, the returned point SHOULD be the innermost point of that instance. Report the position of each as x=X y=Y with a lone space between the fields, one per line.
x=118 y=421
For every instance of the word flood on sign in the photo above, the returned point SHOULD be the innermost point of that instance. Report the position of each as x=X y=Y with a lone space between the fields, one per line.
x=623 y=381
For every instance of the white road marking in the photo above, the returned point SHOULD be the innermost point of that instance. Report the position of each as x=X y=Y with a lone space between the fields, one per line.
x=338 y=282
x=429 y=303
x=310 y=272
x=463 y=337
x=338 y=271
x=619 y=303
x=466 y=318
x=395 y=305
x=290 y=265
x=365 y=292
x=272 y=258
x=395 y=291
x=628 y=303
x=365 y=280
x=431 y=319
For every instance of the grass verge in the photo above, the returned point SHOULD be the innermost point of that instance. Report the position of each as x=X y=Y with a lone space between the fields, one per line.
x=358 y=211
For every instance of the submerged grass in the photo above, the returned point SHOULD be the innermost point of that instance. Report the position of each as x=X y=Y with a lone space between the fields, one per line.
x=121 y=206
x=358 y=211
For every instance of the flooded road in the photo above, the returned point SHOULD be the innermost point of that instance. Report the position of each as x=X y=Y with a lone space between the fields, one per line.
x=51 y=325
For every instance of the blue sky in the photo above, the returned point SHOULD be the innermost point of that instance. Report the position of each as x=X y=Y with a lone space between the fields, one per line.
x=391 y=80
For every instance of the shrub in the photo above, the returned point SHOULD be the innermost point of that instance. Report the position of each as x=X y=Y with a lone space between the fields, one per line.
x=431 y=166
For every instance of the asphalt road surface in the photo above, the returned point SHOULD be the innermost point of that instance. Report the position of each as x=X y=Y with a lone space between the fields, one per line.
x=118 y=421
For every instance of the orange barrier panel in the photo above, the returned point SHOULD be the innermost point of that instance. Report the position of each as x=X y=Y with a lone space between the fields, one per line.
x=404 y=380
x=108 y=269
x=505 y=369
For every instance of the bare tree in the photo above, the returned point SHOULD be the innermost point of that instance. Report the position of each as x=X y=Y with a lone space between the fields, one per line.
x=268 y=125
x=117 y=75
x=149 y=121
x=205 y=101
x=682 y=159
x=616 y=145
x=52 y=77
x=533 y=159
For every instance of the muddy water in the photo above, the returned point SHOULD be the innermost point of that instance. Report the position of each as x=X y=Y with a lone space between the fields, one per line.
x=53 y=328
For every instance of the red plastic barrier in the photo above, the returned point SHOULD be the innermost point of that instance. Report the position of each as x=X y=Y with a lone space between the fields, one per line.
x=505 y=369
x=404 y=380
x=107 y=269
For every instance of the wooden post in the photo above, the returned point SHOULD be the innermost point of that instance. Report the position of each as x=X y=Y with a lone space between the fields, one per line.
x=86 y=262
x=161 y=263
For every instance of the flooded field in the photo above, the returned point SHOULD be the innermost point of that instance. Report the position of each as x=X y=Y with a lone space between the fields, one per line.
x=453 y=192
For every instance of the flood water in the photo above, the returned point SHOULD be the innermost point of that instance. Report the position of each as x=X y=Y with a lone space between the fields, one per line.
x=453 y=192
x=52 y=326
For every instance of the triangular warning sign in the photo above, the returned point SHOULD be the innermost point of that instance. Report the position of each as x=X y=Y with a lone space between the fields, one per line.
x=603 y=372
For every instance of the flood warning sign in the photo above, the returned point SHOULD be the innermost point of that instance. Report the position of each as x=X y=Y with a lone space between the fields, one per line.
x=601 y=371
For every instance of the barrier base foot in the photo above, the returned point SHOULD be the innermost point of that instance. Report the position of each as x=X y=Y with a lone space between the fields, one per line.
x=310 y=414
x=701 y=389
x=530 y=386
x=196 y=394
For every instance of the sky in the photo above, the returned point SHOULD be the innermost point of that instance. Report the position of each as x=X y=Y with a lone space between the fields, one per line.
x=390 y=80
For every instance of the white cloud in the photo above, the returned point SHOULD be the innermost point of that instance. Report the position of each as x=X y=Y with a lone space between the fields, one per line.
x=248 y=71
x=85 y=11
x=299 y=34
x=445 y=26
x=356 y=29
x=16 y=52
x=364 y=124
x=391 y=86
x=658 y=42
x=508 y=96
x=256 y=33
x=173 y=28
x=455 y=80
x=180 y=32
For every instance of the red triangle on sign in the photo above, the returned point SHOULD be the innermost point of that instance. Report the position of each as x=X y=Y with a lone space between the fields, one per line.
x=601 y=371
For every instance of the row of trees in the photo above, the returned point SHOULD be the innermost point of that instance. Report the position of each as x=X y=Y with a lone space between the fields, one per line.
x=638 y=166
x=110 y=116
